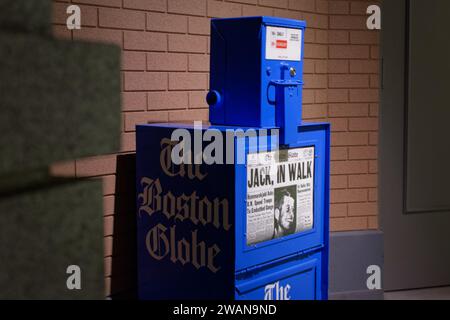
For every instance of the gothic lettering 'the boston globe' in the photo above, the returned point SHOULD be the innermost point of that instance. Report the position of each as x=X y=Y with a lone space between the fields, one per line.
x=162 y=240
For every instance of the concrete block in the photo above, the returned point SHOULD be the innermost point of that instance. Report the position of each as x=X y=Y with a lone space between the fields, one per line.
x=32 y=16
x=60 y=100
x=43 y=232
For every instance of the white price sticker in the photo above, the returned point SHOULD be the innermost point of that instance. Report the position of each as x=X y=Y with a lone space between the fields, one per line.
x=283 y=43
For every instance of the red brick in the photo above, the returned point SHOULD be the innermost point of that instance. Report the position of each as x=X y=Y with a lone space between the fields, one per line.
x=145 y=81
x=363 y=153
x=98 y=35
x=134 y=118
x=121 y=19
x=321 y=66
x=128 y=142
x=348 y=110
x=319 y=21
x=219 y=9
x=96 y=166
x=107 y=266
x=309 y=36
x=189 y=115
x=349 y=52
x=338 y=124
x=166 y=22
x=362 y=209
x=134 y=101
x=349 y=138
x=348 y=195
x=201 y=26
x=151 y=5
x=337 y=66
x=364 y=66
x=274 y=3
x=322 y=36
x=348 y=224
x=191 y=7
x=348 y=81
x=187 y=81
x=363 y=181
x=338 y=210
x=290 y=14
x=109 y=184
x=166 y=61
x=308 y=96
x=108 y=246
x=199 y=62
x=365 y=37
x=108 y=205
x=373 y=110
x=373 y=194
x=167 y=100
x=375 y=52
x=359 y=7
x=302 y=5
x=133 y=61
x=349 y=167
x=363 y=124
x=372 y=223
x=148 y=41
x=348 y=22
x=374 y=81
x=321 y=96
x=373 y=138
x=338 y=182
x=244 y=1
x=103 y=3
x=364 y=95
x=314 y=111
x=373 y=166
x=315 y=81
x=316 y=51
x=62 y=169
x=108 y=225
x=322 y=6
x=197 y=99
x=338 y=95
x=338 y=37
x=338 y=7
x=308 y=66
x=256 y=11
x=339 y=153
x=187 y=43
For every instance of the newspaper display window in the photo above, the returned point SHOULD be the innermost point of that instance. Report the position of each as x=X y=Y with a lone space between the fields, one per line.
x=280 y=193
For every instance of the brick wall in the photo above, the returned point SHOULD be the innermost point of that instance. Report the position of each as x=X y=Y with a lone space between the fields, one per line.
x=165 y=64
x=353 y=67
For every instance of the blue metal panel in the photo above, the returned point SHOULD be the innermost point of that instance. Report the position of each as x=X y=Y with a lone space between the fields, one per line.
x=316 y=135
x=240 y=74
x=296 y=279
x=184 y=249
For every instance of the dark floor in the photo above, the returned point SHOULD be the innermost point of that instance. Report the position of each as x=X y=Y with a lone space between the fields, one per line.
x=440 y=293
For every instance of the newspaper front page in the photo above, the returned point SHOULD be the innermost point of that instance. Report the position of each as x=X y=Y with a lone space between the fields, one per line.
x=280 y=193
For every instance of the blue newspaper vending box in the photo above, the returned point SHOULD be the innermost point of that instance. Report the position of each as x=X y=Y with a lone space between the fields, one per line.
x=238 y=209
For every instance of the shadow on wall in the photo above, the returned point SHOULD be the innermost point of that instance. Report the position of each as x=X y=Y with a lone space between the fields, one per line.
x=124 y=254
